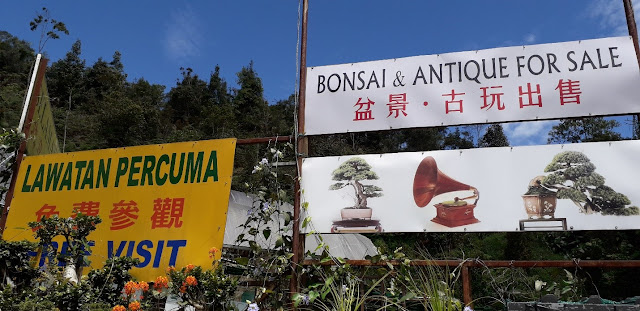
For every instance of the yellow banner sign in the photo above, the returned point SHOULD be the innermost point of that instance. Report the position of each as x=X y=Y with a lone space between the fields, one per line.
x=164 y=204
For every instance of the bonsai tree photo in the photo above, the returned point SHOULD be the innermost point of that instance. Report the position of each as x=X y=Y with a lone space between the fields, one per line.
x=354 y=172
x=573 y=174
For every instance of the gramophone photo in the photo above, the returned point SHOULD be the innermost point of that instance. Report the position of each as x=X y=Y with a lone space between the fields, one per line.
x=586 y=186
x=429 y=182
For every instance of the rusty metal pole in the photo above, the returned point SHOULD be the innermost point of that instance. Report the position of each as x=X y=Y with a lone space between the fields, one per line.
x=302 y=149
x=633 y=32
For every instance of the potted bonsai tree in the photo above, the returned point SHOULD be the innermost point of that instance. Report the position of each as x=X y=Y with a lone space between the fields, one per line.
x=354 y=173
x=573 y=174
x=539 y=201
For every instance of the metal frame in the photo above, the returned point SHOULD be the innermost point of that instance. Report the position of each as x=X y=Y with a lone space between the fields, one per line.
x=466 y=279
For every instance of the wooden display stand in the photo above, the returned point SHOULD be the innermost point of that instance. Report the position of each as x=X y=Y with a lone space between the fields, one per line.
x=356 y=226
x=562 y=224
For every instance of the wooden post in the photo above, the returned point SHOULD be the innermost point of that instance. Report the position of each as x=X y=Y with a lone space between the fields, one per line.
x=466 y=285
x=302 y=149
x=633 y=32
x=631 y=25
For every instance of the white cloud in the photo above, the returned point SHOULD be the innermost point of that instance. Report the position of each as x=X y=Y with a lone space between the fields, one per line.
x=530 y=38
x=611 y=15
x=528 y=133
x=182 y=35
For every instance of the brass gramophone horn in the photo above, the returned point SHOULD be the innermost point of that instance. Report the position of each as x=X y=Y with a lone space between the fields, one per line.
x=430 y=182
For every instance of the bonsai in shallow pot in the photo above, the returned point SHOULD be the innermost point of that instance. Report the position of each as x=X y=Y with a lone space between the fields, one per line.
x=355 y=173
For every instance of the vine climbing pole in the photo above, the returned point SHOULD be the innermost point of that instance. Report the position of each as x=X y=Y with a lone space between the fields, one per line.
x=302 y=149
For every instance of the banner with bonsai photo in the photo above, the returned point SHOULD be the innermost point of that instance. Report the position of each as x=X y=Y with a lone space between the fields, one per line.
x=587 y=186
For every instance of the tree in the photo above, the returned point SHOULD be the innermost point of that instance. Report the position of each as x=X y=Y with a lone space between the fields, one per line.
x=49 y=28
x=458 y=140
x=494 y=137
x=573 y=174
x=281 y=121
x=353 y=172
x=584 y=130
x=16 y=59
x=219 y=117
x=188 y=99
x=250 y=105
x=65 y=77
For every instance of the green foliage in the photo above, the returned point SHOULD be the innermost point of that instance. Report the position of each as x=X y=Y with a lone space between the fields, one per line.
x=573 y=174
x=107 y=284
x=10 y=141
x=66 y=295
x=74 y=230
x=340 y=287
x=16 y=60
x=436 y=285
x=268 y=228
x=494 y=137
x=49 y=28
x=589 y=129
x=458 y=139
x=353 y=172
x=249 y=103
x=568 y=289
x=212 y=291
x=15 y=265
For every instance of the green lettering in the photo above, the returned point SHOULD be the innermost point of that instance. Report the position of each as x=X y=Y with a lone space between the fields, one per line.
x=26 y=187
x=88 y=176
x=123 y=164
x=66 y=178
x=193 y=167
x=37 y=183
x=79 y=166
x=134 y=170
x=147 y=169
x=53 y=175
x=174 y=179
x=161 y=180
x=212 y=167
x=103 y=173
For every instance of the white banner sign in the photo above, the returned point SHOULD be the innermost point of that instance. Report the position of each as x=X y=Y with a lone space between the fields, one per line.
x=588 y=186
x=546 y=81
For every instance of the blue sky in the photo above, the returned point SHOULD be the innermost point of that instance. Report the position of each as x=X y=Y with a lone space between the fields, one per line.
x=156 y=38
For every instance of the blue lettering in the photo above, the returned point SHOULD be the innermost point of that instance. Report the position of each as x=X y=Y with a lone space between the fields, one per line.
x=132 y=245
x=156 y=260
x=118 y=253
x=144 y=253
x=175 y=246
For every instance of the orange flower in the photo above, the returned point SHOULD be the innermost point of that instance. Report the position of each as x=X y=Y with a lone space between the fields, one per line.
x=171 y=269
x=130 y=288
x=189 y=267
x=212 y=252
x=144 y=286
x=134 y=306
x=119 y=308
x=160 y=283
x=183 y=288
x=191 y=280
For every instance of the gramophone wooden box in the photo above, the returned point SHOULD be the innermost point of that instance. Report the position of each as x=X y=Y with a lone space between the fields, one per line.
x=455 y=216
x=430 y=182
